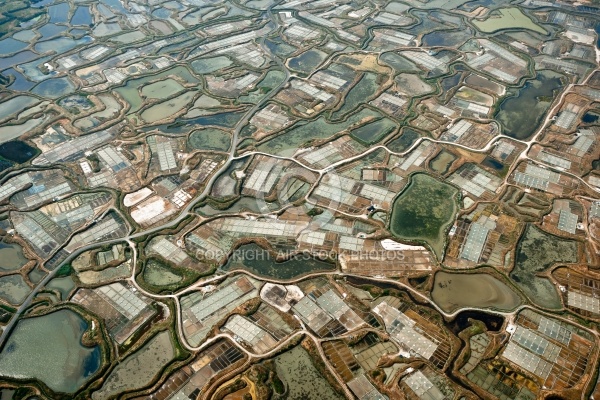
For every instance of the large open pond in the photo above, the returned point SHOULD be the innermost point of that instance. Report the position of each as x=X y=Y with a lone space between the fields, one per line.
x=53 y=88
x=521 y=113
x=131 y=94
x=82 y=16
x=454 y=291
x=49 y=348
x=10 y=45
x=446 y=38
x=537 y=251
x=424 y=211
x=256 y=260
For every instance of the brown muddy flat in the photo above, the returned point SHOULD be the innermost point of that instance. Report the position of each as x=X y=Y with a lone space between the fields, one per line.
x=454 y=291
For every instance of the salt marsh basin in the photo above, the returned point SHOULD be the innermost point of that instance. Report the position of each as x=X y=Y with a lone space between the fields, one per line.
x=424 y=211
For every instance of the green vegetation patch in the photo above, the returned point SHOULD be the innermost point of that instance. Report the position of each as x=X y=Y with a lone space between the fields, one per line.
x=536 y=252
x=508 y=18
x=308 y=61
x=210 y=139
x=303 y=380
x=300 y=134
x=404 y=141
x=424 y=211
x=256 y=260
x=360 y=93
x=158 y=274
x=442 y=162
x=160 y=277
x=12 y=13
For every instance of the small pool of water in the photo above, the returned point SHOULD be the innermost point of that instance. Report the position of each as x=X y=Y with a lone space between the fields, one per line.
x=590 y=118
x=14 y=289
x=308 y=61
x=492 y=163
x=226 y=119
x=12 y=257
x=157 y=274
x=442 y=162
x=20 y=83
x=17 y=151
x=50 y=30
x=63 y=285
x=16 y=105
